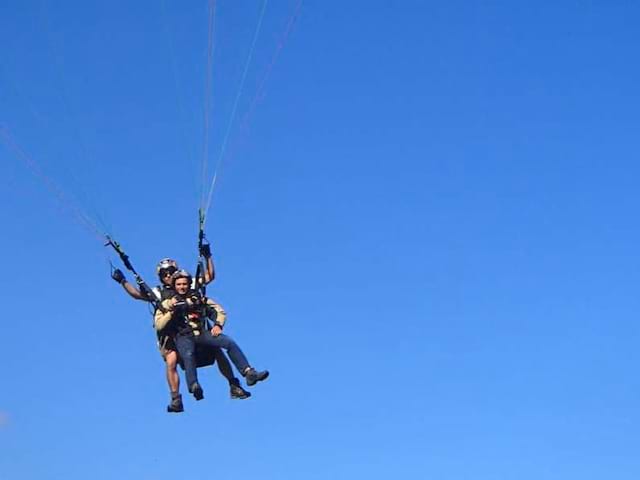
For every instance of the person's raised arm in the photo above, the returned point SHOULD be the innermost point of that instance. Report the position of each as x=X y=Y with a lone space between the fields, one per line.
x=133 y=292
x=209 y=273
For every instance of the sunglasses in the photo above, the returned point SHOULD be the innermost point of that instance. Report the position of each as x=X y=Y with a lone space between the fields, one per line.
x=167 y=272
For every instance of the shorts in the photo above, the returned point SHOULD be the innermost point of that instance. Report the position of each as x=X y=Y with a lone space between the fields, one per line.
x=166 y=345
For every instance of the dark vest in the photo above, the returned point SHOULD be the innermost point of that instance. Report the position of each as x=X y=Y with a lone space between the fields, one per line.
x=189 y=321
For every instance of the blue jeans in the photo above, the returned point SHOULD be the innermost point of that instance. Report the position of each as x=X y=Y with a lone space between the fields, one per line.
x=186 y=346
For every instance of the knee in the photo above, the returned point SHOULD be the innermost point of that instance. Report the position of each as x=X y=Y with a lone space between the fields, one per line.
x=172 y=360
x=228 y=341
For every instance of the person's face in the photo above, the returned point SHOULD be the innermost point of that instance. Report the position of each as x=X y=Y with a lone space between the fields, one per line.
x=181 y=286
x=165 y=275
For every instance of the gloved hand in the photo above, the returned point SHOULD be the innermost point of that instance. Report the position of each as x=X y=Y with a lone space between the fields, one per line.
x=205 y=250
x=118 y=276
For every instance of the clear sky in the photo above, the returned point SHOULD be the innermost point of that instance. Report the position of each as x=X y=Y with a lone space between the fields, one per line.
x=428 y=233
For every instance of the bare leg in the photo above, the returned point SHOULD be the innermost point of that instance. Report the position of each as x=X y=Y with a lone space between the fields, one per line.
x=173 y=379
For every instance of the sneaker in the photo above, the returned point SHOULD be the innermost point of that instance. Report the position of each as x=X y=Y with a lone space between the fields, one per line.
x=238 y=393
x=176 y=405
x=253 y=376
x=196 y=390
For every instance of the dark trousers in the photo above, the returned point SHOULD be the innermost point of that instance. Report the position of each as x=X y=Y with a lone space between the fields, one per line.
x=209 y=356
x=186 y=345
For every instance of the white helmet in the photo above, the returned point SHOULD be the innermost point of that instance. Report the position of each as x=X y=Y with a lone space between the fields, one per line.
x=166 y=264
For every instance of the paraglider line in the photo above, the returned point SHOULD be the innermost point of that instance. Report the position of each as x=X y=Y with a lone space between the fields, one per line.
x=260 y=91
x=207 y=98
x=80 y=216
x=235 y=105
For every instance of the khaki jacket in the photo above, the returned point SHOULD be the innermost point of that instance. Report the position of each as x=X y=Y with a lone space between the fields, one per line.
x=163 y=315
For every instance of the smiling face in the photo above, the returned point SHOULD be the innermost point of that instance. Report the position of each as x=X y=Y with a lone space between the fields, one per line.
x=181 y=286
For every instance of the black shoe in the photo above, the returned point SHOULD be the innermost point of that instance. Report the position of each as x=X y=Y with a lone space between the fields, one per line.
x=196 y=389
x=176 y=405
x=253 y=376
x=238 y=393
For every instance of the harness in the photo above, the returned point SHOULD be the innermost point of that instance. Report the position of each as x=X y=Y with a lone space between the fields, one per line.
x=194 y=315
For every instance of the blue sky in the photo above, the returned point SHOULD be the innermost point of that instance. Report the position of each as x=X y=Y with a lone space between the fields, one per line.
x=427 y=233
